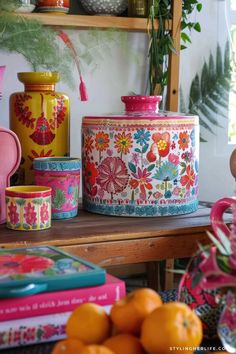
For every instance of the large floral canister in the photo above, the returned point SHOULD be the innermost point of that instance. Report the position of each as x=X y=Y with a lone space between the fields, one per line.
x=140 y=163
x=40 y=118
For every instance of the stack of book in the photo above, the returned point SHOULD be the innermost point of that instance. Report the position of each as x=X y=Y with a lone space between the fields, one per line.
x=42 y=317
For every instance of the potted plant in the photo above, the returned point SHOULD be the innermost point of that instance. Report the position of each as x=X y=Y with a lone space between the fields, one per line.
x=160 y=39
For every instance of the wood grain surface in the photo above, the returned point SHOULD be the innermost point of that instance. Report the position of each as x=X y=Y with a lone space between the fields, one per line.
x=111 y=240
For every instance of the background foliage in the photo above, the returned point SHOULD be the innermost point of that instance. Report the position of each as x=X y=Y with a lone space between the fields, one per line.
x=160 y=40
x=209 y=91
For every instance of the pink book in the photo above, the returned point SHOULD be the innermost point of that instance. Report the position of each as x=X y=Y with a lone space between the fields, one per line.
x=61 y=301
x=35 y=330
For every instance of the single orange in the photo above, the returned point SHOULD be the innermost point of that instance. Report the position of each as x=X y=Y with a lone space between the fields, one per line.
x=96 y=349
x=67 y=346
x=128 y=313
x=172 y=325
x=124 y=343
x=89 y=323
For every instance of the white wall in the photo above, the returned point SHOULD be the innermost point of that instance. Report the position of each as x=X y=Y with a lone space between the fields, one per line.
x=215 y=179
x=119 y=74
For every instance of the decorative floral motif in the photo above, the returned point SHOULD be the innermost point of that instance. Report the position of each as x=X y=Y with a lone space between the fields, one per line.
x=43 y=134
x=88 y=144
x=184 y=140
x=13 y=214
x=123 y=142
x=102 y=141
x=11 y=264
x=188 y=179
x=44 y=213
x=142 y=180
x=30 y=214
x=113 y=175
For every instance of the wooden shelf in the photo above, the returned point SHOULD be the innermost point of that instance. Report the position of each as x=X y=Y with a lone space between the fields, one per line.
x=84 y=21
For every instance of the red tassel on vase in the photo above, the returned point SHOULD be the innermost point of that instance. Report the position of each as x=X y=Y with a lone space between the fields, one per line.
x=69 y=44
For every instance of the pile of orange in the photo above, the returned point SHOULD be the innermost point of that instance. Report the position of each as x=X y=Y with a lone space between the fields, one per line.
x=139 y=323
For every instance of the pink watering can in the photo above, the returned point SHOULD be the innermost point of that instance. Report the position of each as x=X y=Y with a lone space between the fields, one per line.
x=10 y=156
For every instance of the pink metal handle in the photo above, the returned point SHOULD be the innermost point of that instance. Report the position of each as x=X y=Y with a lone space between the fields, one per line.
x=217 y=213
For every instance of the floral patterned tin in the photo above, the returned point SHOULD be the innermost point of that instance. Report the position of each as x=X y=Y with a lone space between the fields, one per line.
x=141 y=163
x=62 y=174
x=28 y=208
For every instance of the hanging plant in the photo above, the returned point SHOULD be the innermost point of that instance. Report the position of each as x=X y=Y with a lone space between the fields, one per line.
x=39 y=44
x=160 y=40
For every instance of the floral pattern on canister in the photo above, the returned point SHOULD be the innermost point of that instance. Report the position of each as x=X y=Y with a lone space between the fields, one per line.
x=28 y=209
x=143 y=164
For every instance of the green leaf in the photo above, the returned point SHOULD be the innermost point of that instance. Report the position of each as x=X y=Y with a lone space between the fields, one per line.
x=58 y=199
x=223 y=264
x=145 y=148
x=151 y=167
x=137 y=150
x=218 y=244
x=199 y=7
x=132 y=167
x=185 y=37
x=224 y=240
x=197 y=27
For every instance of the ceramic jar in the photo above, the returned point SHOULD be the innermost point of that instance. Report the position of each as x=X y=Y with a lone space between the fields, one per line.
x=40 y=118
x=56 y=6
x=62 y=174
x=140 y=163
x=137 y=8
x=28 y=208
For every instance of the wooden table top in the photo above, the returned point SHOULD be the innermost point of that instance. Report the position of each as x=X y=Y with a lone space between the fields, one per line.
x=88 y=228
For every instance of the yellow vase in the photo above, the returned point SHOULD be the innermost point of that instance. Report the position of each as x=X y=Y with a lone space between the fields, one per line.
x=40 y=118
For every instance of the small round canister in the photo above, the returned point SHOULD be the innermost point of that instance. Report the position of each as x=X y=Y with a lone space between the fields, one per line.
x=142 y=162
x=62 y=174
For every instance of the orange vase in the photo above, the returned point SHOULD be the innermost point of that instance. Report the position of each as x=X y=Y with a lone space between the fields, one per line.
x=40 y=118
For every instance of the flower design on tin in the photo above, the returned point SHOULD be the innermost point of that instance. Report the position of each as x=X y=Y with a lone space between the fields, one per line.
x=123 y=143
x=88 y=144
x=184 y=140
x=161 y=146
x=135 y=158
x=102 y=141
x=173 y=159
x=44 y=213
x=91 y=173
x=12 y=213
x=113 y=175
x=12 y=264
x=167 y=172
x=188 y=179
x=142 y=137
x=30 y=214
x=141 y=180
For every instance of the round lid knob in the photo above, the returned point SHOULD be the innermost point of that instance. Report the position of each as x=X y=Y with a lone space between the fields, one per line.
x=141 y=103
